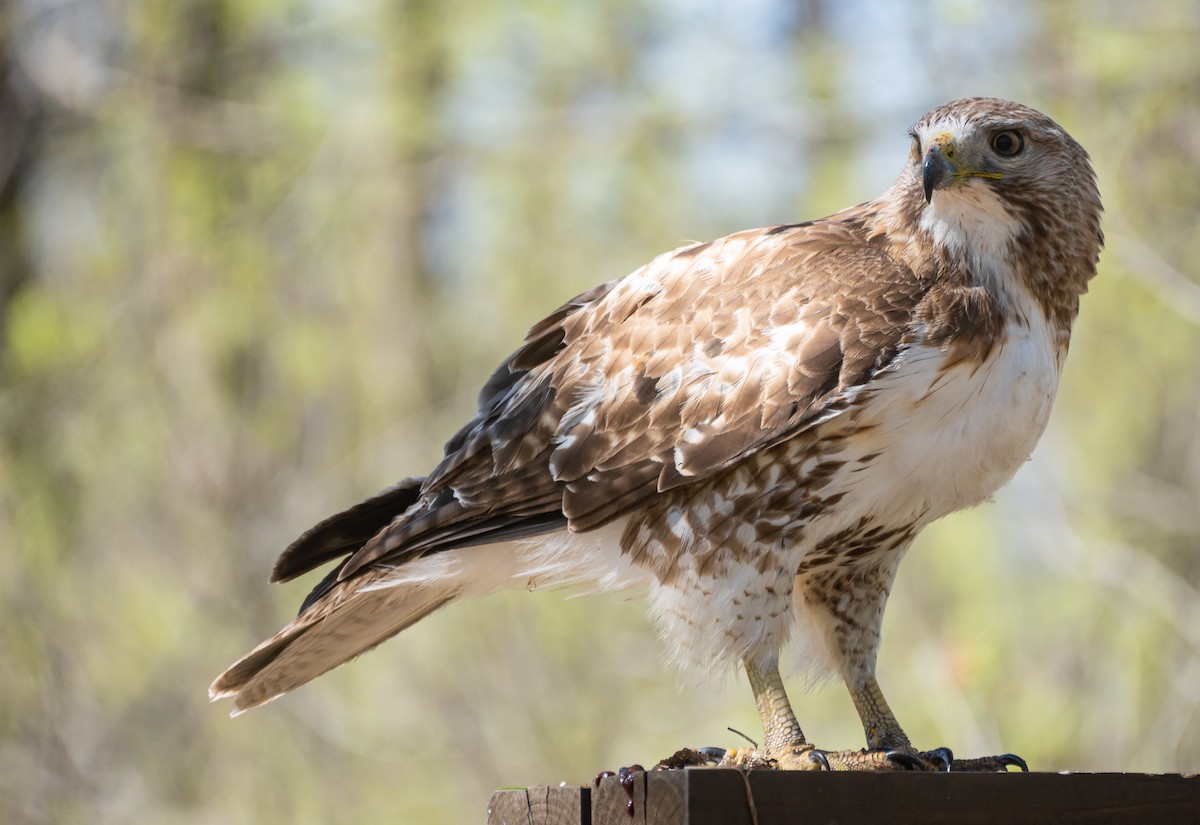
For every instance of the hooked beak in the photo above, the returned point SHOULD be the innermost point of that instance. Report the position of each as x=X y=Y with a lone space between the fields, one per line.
x=945 y=165
x=941 y=163
x=936 y=170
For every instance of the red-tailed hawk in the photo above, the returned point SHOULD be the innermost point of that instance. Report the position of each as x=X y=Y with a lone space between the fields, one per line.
x=753 y=428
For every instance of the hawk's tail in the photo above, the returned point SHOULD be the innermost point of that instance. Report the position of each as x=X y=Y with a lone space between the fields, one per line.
x=344 y=619
x=310 y=646
x=355 y=615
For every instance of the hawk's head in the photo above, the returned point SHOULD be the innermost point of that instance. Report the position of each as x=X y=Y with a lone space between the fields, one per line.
x=995 y=183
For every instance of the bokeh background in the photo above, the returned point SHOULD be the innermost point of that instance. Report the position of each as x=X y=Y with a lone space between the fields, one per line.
x=256 y=258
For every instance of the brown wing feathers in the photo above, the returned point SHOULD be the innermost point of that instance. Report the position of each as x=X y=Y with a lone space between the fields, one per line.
x=636 y=387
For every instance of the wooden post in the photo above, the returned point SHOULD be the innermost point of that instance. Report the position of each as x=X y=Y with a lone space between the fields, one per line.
x=541 y=805
x=714 y=796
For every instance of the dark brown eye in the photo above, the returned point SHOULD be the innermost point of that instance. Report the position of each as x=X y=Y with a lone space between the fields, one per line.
x=1007 y=144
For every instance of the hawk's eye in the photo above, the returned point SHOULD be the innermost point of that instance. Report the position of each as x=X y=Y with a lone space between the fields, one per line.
x=1007 y=144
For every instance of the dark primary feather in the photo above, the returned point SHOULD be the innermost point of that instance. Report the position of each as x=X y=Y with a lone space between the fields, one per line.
x=345 y=532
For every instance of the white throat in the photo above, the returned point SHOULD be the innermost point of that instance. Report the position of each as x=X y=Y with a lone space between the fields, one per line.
x=971 y=222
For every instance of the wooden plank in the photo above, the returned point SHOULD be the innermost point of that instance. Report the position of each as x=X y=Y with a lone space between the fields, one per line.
x=725 y=797
x=541 y=805
x=655 y=798
x=729 y=798
x=976 y=799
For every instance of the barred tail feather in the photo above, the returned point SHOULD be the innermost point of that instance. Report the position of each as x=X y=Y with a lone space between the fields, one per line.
x=319 y=640
x=343 y=620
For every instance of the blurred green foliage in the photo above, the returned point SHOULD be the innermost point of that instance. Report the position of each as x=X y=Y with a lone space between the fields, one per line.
x=256 y=257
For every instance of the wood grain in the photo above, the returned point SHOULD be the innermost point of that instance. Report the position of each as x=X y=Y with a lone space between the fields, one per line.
x=729 y=797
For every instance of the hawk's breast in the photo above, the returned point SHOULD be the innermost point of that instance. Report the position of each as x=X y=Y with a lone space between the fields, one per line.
x=946 y=433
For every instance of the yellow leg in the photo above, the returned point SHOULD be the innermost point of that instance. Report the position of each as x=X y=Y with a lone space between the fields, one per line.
x=879 y=723
x=780 y=726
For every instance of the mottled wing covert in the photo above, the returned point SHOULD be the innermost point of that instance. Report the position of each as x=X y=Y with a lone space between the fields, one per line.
x=679 y=371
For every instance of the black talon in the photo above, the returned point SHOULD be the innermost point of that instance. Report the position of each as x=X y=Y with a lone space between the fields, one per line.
x=942 y=756
x=911 y=762
x=1007 y=759
x=820 y=758
x=712 y=754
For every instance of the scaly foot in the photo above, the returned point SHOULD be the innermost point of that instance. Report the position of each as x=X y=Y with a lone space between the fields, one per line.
x=805 y=757
x=808 y=758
